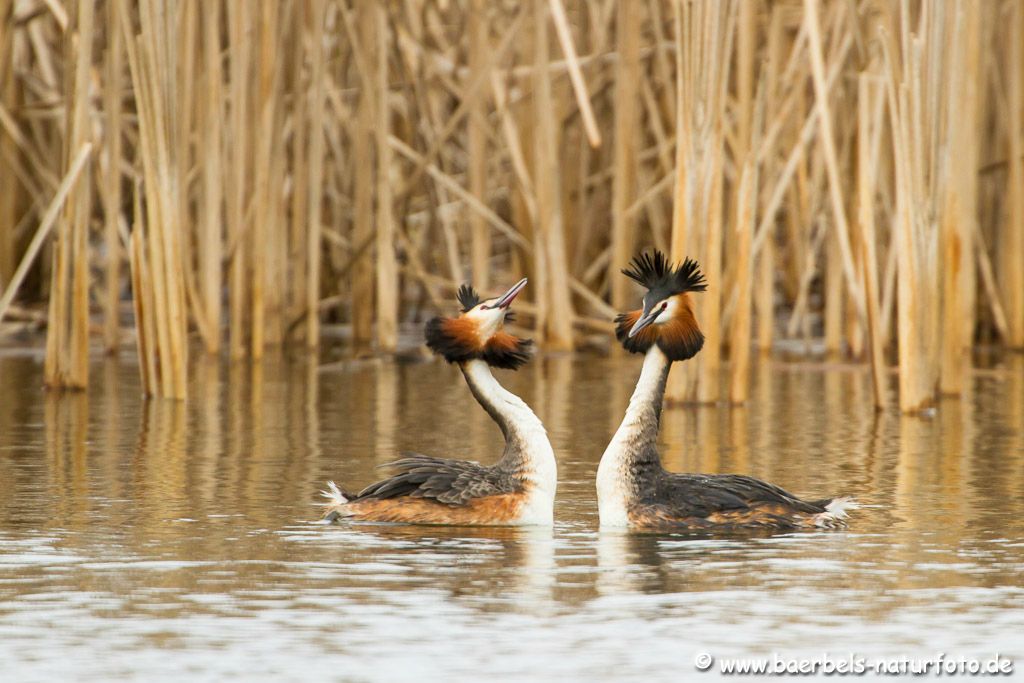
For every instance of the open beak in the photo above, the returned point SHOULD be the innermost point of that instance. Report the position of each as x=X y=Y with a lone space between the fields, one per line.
x=506 y=299
x=646 y=319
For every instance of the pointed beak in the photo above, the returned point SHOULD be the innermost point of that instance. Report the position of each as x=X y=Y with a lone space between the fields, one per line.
x=646 y=319
x=506 y=299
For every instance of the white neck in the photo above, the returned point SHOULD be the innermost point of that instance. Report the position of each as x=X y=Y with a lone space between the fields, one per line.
x=528 y=451
x=634 y=442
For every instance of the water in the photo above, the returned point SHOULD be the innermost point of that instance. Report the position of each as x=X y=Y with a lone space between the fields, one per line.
x=157 y=541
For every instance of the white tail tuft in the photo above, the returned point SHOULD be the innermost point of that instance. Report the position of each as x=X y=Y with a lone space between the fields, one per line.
x=333 y=495
x=836 y=512
x=336 y=502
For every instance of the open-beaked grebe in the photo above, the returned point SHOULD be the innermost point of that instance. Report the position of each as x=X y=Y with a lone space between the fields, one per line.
x=519 y=489
x=633 y=489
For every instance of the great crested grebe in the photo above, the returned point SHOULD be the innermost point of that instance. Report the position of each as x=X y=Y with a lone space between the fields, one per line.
x=519 y=489
x=633 y=489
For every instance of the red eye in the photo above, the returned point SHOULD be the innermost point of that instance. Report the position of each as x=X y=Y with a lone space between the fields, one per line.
x=484 y=307
x=664 y=305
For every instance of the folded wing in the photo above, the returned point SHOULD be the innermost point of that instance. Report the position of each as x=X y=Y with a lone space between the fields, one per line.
x=453 y=482
x=703 y=495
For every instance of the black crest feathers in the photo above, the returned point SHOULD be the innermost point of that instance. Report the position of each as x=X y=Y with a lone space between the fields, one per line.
x=655 y=272
x=679 y=337
x=468 y=297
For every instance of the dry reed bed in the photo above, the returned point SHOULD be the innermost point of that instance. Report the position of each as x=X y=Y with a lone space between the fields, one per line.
x=849 y=170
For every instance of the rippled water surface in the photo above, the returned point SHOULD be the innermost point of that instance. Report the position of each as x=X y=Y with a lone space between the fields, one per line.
x=176 y=541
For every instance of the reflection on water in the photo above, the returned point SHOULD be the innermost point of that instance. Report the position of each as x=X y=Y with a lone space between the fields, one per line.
x=130 y=529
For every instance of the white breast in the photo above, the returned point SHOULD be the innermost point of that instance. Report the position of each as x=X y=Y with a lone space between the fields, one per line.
x=538 y=510
x=542 y=476
x=612 y=496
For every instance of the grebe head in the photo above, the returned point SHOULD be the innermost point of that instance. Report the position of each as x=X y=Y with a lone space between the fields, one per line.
x=478 y=331
x=666 y=318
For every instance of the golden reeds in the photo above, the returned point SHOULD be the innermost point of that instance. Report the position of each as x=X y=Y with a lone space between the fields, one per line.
x=1011 y=69
x=964 y=97
x=848 y=174
x=237 y=162
x=209 y=243
x=111 y=194
x=386 y=263
x=914 y=111
x=480 y=235
x=868 y=137
x=627 y=134
x=703 y=44
x=152 y=56
x=549 y=236
x=313 y=196
x=45 y=225
x=9 y=198
x=361 y=280
x=748 y=138
x=67 y=343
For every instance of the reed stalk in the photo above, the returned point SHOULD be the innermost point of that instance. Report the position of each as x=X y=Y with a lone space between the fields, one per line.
x=959 y=202
x=764 y=289
x=67 y=342
x=1012 y=244
x=748 y=138
x=627 y=119
x=314 y=238
x=829 y=152
x=10 y=289
x=361 y=278
x=111 y=195
x=210 y=241
x=868 y=131
x=9 y=198
x=703 y=41
x=151 y=60
x=743 y=228
x=239 y=28
x=480 y=236
x=909 y=94
x=298 y=75
x=387 y=264
x=549 y=249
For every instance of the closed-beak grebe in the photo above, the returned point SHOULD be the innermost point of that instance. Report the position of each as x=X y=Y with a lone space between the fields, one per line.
x=633 y=489
x=519 y=489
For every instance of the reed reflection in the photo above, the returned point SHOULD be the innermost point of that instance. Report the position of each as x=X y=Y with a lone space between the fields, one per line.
x=162 y=463
x=387 y=402
x=66 y=420
x=553 y=388
x=209 y=422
